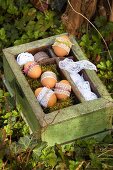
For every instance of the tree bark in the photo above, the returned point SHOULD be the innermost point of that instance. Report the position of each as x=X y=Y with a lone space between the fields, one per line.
x=72 y=20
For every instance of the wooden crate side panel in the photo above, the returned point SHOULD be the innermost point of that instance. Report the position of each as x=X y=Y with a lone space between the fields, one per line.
x=78 y=127
x=77 y=110
x=32 y=45
x=27 y=109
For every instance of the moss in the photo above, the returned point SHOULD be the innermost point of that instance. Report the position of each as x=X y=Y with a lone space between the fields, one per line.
x=61 y=104
x=34 y=84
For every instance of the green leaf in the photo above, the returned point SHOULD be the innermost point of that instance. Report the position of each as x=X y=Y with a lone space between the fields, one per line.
x=95 y=162
x=12 y=9
x=1 y=93
x=2 y=34
x=25 y=142
x=1 y=163
x=100 y=21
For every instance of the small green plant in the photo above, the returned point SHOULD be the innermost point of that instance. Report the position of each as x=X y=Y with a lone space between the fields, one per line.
x=96 y=51
x=92 y=43
x=105 y=72
x=21 y=23
x=10 y=118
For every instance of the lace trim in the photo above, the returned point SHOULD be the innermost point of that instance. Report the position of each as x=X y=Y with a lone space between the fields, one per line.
x=23 y=58
x=64 y=40
x=65 y=47
x=61 y=91
x=48 y=74
x=73 y=68
x=63 y=43
x=29 y=68
x=63 y=86
x=40 y=56
x=44 y=96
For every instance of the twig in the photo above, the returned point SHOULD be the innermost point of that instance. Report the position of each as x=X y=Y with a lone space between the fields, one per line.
x=105 y=153
x=80 y=165
x=93 y=27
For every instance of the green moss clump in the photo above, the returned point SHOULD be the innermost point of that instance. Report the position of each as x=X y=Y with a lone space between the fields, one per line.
x=35 y=83
x=60 y=105
x=52 y=67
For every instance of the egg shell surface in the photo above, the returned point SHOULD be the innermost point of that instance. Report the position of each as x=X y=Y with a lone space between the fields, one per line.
x=48 y=79
x=41 y=55
x=61 y=48
x=61 y=92
x=32 y=69
x=51 y=101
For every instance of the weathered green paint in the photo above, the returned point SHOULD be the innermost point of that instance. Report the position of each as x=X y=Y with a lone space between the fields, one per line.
x=77 y=121
x=80 y=120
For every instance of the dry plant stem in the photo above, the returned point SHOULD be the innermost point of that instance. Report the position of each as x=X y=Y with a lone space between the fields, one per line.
x=105 y=153
x=80 y=165
x=5 y=163
x=111 y=15
x=110 y=5
x=93 y=27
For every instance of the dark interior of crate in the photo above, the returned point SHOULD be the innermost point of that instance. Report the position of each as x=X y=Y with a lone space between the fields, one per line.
x=51 y=64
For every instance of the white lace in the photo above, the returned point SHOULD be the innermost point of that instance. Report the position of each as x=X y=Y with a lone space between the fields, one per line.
x=61 y=91
x=59 y=41
x=74 y=68
x=48 y=74
x=63 y=86
x=64 y=46
x=44 y=96
x=23 y=58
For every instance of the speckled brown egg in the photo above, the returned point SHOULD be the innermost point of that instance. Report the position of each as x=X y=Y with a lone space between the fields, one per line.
x=48 y=79
x=62 y=89
x=40 y=56
x=45 y=96
x=32 y=69
x=62 y=46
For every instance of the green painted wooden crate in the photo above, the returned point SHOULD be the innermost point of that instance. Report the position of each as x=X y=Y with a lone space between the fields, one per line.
x=84 y=119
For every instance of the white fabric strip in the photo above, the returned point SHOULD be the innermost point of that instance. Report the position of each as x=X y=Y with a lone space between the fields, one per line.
x=74 y=68
x=64 y=86
x=23 y=58
x=44 y=96
x=61 y=91
x=63 y=43
x=48 y=74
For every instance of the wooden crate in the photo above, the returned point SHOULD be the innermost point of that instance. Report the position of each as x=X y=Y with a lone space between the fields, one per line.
x=83 y=119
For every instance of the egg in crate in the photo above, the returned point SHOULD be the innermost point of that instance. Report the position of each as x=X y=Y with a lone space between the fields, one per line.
x=24 y=57
x=62 y=46
x=48 y=79
x=32 y=69
x=41 y=55
x=62 y=89
x=45 y=96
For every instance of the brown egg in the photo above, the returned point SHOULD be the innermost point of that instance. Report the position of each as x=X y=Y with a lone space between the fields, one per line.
x=48 y=79
x=62 y=46
x=62 y=90
x=45 y=96
x=41 y=55
x=32 y=69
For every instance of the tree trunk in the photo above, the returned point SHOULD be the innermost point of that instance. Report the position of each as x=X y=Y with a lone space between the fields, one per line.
x=72 y=20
